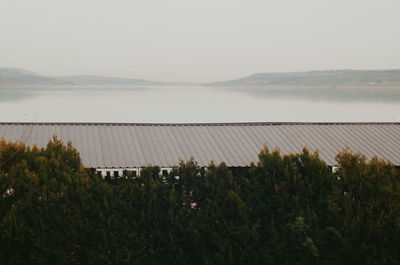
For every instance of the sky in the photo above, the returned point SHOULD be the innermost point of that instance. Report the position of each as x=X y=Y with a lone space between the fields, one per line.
x=197 y=41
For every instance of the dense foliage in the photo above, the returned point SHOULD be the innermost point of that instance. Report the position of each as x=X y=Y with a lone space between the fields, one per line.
x=287 y=209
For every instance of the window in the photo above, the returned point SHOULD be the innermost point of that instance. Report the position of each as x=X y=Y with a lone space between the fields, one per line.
x=108 y=174
x=164 y=172
x=116 y=174
x=134 y=173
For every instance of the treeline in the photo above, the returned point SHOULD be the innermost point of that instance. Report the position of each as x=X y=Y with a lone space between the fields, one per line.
x=286 y=209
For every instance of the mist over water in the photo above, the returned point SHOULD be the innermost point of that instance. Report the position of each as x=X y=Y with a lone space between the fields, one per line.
x=160 y=104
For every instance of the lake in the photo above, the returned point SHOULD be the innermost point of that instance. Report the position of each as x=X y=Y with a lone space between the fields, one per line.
x=198 y=104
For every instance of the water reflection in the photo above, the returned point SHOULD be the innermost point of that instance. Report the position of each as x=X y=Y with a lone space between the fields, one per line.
x=343 y=95
x=197 y=104
x=10 y=96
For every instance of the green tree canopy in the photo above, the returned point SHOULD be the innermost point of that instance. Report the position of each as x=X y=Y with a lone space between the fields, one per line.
x=285 y=209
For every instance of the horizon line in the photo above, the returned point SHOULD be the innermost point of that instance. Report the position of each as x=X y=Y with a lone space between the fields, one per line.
x=205 y=82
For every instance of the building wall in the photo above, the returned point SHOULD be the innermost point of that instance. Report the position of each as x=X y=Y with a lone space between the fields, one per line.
x=119 y=171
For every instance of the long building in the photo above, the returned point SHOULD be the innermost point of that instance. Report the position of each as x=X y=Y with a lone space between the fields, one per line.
x=111 y=148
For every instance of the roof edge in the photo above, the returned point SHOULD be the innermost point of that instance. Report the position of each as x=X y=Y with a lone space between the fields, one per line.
x=197 y=124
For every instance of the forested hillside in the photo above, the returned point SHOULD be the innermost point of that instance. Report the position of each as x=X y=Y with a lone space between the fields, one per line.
x=15 y=76
x=287 y=209
x=333 y=78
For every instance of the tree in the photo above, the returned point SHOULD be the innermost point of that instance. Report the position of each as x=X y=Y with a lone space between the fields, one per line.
x=367 y=209
x=286 y=209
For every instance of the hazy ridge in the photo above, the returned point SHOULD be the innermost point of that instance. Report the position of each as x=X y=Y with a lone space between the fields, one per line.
x=21 y=77
x=329 y=78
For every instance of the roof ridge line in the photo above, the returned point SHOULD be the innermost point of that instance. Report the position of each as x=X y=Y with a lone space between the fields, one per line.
x=198 y=124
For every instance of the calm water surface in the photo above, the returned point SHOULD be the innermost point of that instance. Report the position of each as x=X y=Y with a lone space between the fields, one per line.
x=198 y=104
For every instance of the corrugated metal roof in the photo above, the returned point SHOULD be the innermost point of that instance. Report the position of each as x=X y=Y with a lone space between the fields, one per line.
x=121 y=145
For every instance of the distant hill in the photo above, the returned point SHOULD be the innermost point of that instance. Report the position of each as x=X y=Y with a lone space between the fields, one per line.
x=331 y=78
x=15 y=76
x=101 y=80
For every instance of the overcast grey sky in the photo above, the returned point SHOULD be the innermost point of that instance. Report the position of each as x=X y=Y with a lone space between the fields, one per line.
x=202 y=40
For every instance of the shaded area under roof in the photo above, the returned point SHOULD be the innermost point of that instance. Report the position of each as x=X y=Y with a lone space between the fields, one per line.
x=122 y=145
